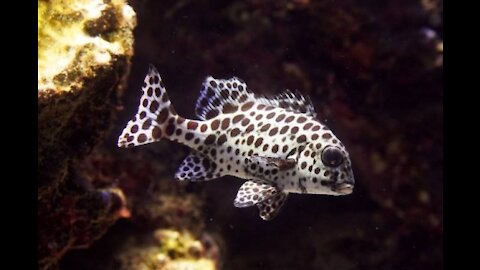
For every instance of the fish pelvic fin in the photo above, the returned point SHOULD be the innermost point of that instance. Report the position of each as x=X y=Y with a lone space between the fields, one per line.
x=253 y=192
x=155 y=116
x=265 y=195
x=270 y=208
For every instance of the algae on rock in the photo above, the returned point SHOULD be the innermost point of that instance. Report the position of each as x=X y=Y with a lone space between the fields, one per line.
x=76 y=37
x=84 y=51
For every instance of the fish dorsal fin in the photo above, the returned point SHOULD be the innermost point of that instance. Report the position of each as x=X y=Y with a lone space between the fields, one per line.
x=271 y=207
x=253 y=192
x=288 y=100
x=221 y=96
x=197 y=167
x=224 y=96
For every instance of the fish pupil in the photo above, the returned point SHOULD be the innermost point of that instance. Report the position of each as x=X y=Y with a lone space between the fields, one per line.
x=332 y=157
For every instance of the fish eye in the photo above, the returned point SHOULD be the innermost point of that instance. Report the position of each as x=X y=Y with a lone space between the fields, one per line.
x=332 y=157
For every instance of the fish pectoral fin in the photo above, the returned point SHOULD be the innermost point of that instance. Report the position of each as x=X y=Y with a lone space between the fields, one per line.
x=253 y=192
x=197 y=167
x=269 y=208
x=273 y=162
x=283 y=163
x=268 y=167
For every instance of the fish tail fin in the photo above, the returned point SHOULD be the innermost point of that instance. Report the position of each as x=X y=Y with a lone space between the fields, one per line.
x=154 y=116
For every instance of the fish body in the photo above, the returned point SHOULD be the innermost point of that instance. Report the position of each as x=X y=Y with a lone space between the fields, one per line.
x=276 y=143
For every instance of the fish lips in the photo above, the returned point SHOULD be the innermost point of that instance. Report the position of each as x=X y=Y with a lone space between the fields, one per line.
x=343 y=188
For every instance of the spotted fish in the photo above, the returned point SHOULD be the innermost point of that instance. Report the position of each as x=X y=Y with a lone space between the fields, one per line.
x=276 y=143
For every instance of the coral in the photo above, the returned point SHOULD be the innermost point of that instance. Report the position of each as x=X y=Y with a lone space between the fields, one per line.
x=74 y=217
x=169 y=249
x=79 y=74
x=154 y=201
x=152 y=195
x=77 y=37
x=84 y=51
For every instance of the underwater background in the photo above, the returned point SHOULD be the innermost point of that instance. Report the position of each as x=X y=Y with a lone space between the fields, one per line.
x=374 y=72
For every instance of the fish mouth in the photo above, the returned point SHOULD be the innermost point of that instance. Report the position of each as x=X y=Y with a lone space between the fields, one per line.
x=344 y=188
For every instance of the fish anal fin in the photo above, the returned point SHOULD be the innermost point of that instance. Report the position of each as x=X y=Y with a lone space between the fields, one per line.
x=197 y=167
x=270 y=208
x=253 y=192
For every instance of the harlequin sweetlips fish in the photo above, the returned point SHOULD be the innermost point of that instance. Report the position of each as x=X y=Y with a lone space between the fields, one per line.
x=276 y=143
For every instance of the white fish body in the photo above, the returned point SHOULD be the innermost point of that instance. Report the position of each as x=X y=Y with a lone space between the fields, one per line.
x=276 y=143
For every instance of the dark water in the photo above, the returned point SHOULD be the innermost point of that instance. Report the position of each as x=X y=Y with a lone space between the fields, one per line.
x=373 y=70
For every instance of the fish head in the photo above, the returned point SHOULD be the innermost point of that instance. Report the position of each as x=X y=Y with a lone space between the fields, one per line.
x=331 y=172
x=337 y=174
